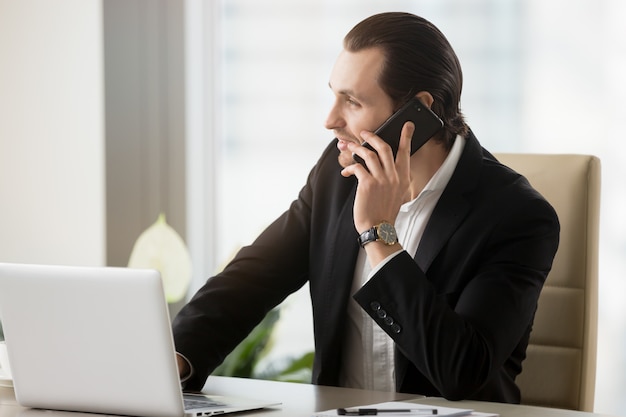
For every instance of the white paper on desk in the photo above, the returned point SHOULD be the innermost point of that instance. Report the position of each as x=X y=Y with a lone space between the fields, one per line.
x=441 y=411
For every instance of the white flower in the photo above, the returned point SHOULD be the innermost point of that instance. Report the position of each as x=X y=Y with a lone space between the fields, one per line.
x=160 y=247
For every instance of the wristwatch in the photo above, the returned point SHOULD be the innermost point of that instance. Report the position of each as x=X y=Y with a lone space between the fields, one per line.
x=384 y=232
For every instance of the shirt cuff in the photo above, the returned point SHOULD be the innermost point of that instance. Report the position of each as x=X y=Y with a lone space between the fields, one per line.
x=383 y=263
x=189 y=374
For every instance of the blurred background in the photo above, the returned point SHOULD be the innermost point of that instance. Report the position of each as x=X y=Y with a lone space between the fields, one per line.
x=112 y=111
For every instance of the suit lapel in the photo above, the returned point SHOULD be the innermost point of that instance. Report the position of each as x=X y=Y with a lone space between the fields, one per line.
x=339 y=259
x=346 y=240
x=444 y=221
x=344 y=246
x=453 y=206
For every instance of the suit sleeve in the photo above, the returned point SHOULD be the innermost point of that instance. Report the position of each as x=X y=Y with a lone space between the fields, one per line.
x=459 y=322
x=223 y=312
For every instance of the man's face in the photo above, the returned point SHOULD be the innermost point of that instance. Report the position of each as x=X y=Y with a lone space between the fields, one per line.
x=360 y=103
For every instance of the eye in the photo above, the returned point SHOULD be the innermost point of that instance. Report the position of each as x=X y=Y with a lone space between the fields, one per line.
x=352 y=101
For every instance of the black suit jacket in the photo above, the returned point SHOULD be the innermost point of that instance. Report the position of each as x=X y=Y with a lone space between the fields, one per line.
x=460 y=310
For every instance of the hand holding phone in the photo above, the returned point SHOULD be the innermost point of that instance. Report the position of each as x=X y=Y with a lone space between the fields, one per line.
x=427 y=124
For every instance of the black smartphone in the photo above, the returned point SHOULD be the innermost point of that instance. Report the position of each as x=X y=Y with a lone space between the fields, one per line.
x=427 y=124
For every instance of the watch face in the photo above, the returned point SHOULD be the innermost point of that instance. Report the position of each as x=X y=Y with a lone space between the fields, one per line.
x=387 y=233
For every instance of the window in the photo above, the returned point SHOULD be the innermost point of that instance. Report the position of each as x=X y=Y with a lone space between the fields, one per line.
x=539 y=77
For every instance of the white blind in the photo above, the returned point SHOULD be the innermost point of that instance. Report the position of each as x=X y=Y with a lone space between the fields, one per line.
x=538 y=77
x=275 y=60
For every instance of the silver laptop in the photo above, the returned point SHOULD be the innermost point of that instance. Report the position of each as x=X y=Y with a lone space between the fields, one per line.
x=96 y=340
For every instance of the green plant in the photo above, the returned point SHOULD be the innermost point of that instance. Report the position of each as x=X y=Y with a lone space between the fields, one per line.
x=244 y=360
x=1 y=332
x=289 y=369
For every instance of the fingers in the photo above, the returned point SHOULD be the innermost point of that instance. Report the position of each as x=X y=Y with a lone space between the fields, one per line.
x=403 y=158
x=378 y=155
x=405 y=139
x=383 y=182
x=367 y=155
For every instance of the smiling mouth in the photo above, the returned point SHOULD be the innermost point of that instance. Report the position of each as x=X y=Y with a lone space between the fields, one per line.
x=348 y=140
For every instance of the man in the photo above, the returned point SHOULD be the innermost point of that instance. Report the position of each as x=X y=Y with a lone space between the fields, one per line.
x=447 y=310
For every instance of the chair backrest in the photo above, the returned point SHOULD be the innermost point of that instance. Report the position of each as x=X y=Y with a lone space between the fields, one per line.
x=560 y=368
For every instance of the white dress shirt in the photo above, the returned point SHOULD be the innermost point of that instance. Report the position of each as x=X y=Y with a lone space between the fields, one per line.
x=368 y=351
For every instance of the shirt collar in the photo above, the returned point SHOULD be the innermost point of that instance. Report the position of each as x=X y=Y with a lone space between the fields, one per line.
x=440 y=180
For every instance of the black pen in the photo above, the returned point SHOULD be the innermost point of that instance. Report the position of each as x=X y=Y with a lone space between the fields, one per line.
x=376 y=411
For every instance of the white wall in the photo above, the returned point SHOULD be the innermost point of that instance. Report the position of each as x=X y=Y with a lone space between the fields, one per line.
x=52 y=198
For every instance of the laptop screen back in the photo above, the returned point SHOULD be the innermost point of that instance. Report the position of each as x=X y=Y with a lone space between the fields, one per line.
x=89 y=339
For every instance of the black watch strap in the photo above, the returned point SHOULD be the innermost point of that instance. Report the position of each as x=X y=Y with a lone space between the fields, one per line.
x=368 y=236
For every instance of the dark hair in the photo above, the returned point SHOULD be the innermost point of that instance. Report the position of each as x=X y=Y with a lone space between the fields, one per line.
x=418 y=57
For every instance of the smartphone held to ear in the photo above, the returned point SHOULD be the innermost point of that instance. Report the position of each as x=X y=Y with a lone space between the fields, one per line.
x=427 y=124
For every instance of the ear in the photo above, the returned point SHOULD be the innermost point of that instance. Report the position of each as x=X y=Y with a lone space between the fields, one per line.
x=426 y=98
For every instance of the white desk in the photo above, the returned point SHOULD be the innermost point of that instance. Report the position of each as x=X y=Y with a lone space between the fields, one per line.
x=298 y=399
x=507 y=410
x=301 y=400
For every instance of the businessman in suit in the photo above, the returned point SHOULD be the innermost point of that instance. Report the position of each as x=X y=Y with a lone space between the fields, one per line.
x=424 y=269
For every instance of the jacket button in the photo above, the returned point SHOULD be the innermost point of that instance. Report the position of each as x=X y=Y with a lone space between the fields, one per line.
x=389 y=321
x=396 y=328
x=382 y=313
x=375 y=305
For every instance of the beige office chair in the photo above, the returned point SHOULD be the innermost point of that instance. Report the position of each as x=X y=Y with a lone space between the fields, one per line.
x=560 y=369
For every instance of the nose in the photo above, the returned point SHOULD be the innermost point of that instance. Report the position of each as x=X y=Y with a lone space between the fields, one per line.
x=334 y=120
